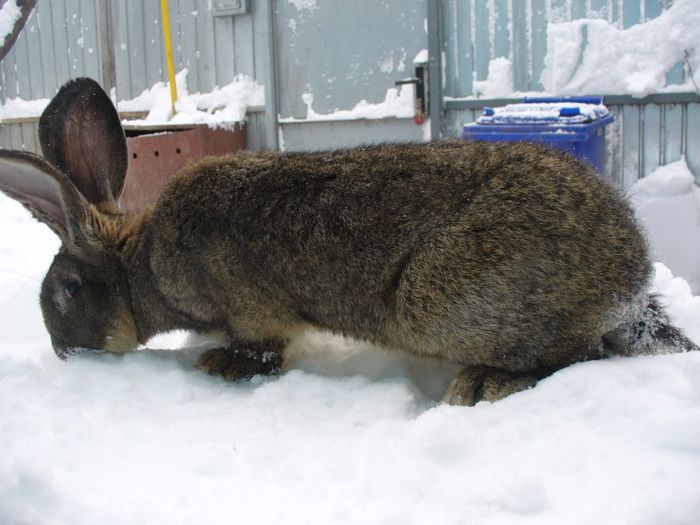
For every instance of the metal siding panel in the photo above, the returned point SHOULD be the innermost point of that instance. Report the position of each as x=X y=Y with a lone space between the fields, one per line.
x=561 y=10
x=672 y=134
x=27 y=134
x=5 y=136
x=10 y=76
x=613 y=144
x=260 y=51
x=652 y=8
x=90 y=33
x=176 y=16
x=631 y=12
x=156 y=69
x=59 y=16
x=205 y=66
x=47 y=46
x=482 y=44
x=15 y=136
x=692 y=153
x=676 y=75
x=224 y=49
x=122 y=56
x=75 y=54
x=539 y=42
x=34 y=54
x=631 y=144
x=329 y=135
x=520 y=46
x=135 y=45
x=466 y=52
x=187 y=38
x=243 y=46
x=458 y=38
x=502 y=42
x=652 y=137
x=23 y=66
x=579 y=9
x=318 y=55
x=598 y=9
x=452 y=71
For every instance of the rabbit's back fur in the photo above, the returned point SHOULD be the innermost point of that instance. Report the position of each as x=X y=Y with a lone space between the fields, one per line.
x=513 y=256
x=512 y=260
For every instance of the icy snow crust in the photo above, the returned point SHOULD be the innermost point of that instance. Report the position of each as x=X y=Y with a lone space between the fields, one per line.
x=594 y=56
x=349 y=434
x=543 y=113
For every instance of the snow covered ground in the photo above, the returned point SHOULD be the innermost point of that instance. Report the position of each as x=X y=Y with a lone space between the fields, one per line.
x=350 y=433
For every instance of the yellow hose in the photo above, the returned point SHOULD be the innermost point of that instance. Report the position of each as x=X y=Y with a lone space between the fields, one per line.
x=169 y=51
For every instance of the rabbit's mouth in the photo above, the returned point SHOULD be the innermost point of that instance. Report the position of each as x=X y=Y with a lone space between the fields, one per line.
x=65 y=353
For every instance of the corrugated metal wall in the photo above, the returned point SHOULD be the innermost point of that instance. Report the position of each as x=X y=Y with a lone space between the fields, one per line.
x=342 y=53
x=62 y=40
x=477 y=31
x=646 y=133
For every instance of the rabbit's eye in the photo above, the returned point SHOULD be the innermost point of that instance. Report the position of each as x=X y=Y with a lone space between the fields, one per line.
x=71 y=288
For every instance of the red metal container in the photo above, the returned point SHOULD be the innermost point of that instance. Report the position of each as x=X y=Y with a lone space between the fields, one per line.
x=156 y=153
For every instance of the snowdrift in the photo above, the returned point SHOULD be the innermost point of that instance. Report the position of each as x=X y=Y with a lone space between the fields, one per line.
x=349 y=433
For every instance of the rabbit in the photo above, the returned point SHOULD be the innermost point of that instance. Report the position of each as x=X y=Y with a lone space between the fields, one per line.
x=511 y=260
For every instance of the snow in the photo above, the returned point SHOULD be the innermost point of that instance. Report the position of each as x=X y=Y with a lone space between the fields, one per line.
x=635 y=60
x=397 y=103
x=499 y=80
x=19 y=108
x=9 y=14
x=666 y=198
x=350 y=433
x=640 y=56
x=303 y=5
x=218 y=108
x=421 y=57
x=543 y=112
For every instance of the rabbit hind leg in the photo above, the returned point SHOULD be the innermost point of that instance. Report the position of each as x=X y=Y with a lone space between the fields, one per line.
x=485 y=383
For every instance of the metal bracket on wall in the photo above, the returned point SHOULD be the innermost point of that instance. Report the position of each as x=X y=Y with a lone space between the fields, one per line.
x=230 y=7
x=422 y=100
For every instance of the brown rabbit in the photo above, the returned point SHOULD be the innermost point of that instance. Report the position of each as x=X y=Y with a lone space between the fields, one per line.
x=512 y=260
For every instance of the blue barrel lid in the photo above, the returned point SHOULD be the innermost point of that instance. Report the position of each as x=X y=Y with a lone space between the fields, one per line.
x=552 y=111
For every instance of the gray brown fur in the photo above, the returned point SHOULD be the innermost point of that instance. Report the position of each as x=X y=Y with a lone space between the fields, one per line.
x=511 y=259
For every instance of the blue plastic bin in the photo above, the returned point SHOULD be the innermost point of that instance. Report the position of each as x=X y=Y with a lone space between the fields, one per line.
x=574 y=124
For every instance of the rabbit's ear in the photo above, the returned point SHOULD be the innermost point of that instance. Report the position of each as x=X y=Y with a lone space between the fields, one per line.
x=45 y=192
x=80 y=134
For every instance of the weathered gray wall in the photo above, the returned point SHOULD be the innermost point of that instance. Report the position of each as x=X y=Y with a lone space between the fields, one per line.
x=341 y=52
x=477 y=31
x=62 y=40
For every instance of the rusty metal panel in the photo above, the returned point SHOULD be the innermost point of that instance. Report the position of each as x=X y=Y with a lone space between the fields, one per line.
x=156 y=156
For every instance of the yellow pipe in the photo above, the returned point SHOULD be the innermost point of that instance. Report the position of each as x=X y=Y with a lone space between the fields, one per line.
x=169 y=51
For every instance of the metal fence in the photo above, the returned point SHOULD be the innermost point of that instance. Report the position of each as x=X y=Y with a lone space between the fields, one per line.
x=65 y=38
x=342 y=54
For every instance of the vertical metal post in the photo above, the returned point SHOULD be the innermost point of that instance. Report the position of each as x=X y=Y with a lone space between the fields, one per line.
x=108 y=68
x=435 y=45
x=169 y=51
x=267 y=8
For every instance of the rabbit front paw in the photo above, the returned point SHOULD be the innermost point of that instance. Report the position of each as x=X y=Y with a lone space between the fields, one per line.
x=483 y=383
x=240 y=363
